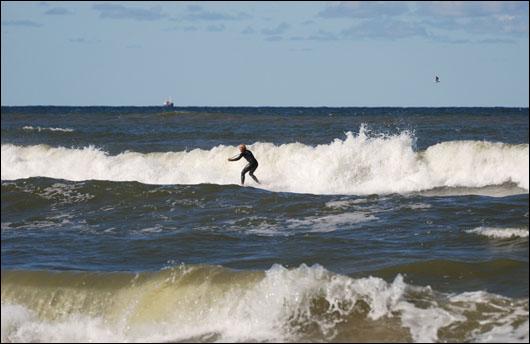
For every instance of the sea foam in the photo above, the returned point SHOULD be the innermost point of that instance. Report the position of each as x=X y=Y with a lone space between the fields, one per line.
x=358 y=164
x=500 y=233
x=211 y=303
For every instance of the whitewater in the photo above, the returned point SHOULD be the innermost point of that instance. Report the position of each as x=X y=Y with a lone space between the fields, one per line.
x=124 y=224
x=359 y=164
x=190 y=303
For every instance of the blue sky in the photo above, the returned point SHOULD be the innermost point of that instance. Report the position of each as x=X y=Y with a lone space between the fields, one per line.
x=265 y=54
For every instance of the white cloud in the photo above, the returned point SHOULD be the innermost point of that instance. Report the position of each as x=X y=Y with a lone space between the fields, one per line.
x=470 y=9
x=364 y=9
x=61 y=11
x=278 y=30
x=111 y=11
x=27 y=23
x=380 y=28
x=198 y=13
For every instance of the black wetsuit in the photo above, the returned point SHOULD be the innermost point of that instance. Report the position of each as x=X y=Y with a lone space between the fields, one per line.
x=251 y=166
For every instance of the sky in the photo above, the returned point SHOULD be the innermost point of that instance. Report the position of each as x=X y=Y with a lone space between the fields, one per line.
x=351 y=53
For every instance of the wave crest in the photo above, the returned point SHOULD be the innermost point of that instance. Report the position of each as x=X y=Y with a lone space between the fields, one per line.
x=211 y=303
x=39 y=129
x=359 y=164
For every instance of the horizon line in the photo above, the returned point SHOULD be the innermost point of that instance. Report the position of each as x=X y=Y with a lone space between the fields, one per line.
x=285 y=106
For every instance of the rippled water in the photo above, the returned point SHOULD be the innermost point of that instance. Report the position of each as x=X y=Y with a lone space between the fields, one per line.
x=391 y=224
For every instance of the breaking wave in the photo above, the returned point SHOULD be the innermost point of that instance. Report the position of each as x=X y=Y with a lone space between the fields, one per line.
x=500 y=233
x=359 y=164
x=212 y=303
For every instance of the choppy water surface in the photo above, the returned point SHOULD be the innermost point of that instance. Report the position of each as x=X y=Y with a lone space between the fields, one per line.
x=391 y=224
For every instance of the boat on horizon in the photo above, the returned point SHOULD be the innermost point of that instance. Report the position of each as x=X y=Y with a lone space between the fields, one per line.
x=169 y=103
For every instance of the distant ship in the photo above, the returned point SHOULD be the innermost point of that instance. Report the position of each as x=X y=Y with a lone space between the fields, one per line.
x=169 y=103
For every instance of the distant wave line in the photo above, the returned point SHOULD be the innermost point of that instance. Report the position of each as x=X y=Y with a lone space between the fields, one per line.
x=28 y=127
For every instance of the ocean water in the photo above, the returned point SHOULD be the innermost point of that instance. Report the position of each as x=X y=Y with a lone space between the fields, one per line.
x=370 y=224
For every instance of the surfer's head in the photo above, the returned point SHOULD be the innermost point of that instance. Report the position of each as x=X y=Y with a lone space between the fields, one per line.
x=242 y=148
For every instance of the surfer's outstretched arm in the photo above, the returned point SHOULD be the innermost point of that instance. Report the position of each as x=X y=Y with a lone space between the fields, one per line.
x=236 y=158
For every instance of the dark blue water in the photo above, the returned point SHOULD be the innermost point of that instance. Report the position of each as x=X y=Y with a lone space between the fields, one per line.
x=94 y=196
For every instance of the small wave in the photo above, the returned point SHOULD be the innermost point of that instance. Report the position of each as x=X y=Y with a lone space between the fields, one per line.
x=330 y=223
x=500 y=233
x=344 y=204
x=416 y=206
x=313 y=224
x=39 y=129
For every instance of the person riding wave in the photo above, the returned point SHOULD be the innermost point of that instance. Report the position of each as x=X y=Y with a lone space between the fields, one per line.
x=250 y=167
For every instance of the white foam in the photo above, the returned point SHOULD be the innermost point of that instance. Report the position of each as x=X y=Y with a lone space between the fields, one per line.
x=500 y=233
x=21 y=325
x=505 y=333
x=501 y=319
x=39 y=129
x=359 y=164
x=267 y=230
x=154 y=229
x=343 y=204
x=275 y=307
x=53 y=222
x=64 y=193
x=417 y=206
x=330 y=223
x=327 y=223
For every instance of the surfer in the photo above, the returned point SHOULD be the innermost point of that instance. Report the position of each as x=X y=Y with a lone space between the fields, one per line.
x=436 y=79
x=251 y=166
